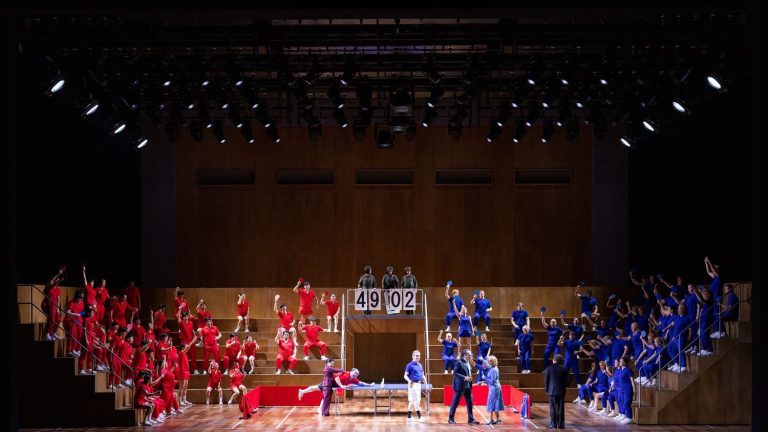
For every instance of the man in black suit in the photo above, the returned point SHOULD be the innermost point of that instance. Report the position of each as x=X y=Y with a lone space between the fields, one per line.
x=462 y=385
x=555 y=382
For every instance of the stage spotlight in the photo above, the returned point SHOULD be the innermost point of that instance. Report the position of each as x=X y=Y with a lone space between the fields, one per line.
x=564 y=82
x=334 y=94
x=55 y=85
x=626 y=141
x=429 y=116
x=272 y=133
x=603 y=82
x=196 y=130
x=716 y=83
x=218 y=131
x=533 y=115
x=572 y=129
x=247 y=132
x=650 y=126
x=384 y=138
x=338 y=115
x=547 y=131
x=118 y=127
x=350 y=70
x=434 y=96
x=520 y=130
x=680 y=106
x=504 y=115
x=234 y=117
x=90 y=108
x=141 y=142
x=493 y=133
x=563 y=114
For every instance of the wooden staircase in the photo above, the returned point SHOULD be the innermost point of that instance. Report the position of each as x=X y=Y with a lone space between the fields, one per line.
x=501 y=337
x=714 y=390
x=54 y=395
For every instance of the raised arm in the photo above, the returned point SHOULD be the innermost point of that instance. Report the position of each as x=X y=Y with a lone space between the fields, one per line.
x=190 y=344
x=296 y=288
x=446 y=292
x=669 y=285
x=455 y=309
x=543 y=322
x=440 y=337
x=634 y=281
x=274 y=306
x=562 y=321
x=85 y=279
x=709 y=268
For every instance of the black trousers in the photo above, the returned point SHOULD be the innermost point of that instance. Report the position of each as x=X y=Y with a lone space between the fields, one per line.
x=467 y=393
x=557 y=411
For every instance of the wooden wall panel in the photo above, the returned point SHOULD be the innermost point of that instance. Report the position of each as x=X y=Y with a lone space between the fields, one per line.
x=384 y=355
x=501 y=234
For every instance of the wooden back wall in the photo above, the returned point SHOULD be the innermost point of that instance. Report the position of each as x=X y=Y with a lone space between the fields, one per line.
x=500 y=234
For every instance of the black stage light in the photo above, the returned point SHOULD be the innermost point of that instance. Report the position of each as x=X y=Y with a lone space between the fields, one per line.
x=247 y=132
x=520 y=130
x=272 y=133
x=350 y=70
x=493 y=133
x=218 y=131
x=625 y=141
x=547 y=131
x=429 y=116
x=334 y=94
x=91 y=108
x=338 y=115
x=141 y=142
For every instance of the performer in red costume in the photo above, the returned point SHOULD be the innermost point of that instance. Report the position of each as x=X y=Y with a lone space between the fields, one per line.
x=242 y=312
x=183 y=374
x=286 y=319
x=214 y=383
x=186 y=334
x=232 y=351
x=210 y=335
x=333 y=312
x=73 y=322
x=306 y=295
x=286 y=352
x=236 y=382
x=311 y=340
x=248 y=353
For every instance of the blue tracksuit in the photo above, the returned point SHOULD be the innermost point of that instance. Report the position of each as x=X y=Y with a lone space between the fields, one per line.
x=553 y=335
x=481 y=311
x=451 y=315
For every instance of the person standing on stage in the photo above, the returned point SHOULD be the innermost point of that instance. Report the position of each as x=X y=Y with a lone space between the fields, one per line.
x=367 y=281
x=465 y=327
x=525 y=349
x=306 y=295
x=520 y=319
x=553 y=335
x=202 y=313
x=409 y=282
x=90 y=291
x=555 y=383
x=327 y=384
x=132 y=293
x=210 y=335
x=495 y=402
x=333 y=312
x=243 y=309
x=462 y=386
x=179 y=302
x=482 y=310
x=50 y=305
x=414 y=375
x=186 y=334
x=389 y=281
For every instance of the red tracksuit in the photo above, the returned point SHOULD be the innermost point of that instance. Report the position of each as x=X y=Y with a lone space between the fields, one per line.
x=285 y=354
x=186 y=333
x=210 y=344
x=51 y=309
x=312 y=341
x=71 y=325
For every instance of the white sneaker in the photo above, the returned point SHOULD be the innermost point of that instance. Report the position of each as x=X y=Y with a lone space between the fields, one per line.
x=683 y=369
x=221 y=401
x=322 y=357
x=328 y=330
x=306 y=357
x=83 y=372
x=602 y=412
x=197 y=372
x=577 y=400
x=335 y=330
x=301 y=393
x=611 y=414
x=410 y=419
x=422 y=419
x=638 y=379
x=445 y=371
x=207 y=402
x=592 y=403
x=290 y=371
x=277 y=372
x=226 y=372
x=120 y=386
x=448 y=329
x=626 y=420
x=620 y=417
x=653 y=382
x=487 y=328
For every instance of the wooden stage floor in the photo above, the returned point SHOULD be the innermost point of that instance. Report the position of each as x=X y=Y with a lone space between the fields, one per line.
x=357 y=415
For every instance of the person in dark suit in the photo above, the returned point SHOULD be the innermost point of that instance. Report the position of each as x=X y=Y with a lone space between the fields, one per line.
x=462 y=385
x=555 y=382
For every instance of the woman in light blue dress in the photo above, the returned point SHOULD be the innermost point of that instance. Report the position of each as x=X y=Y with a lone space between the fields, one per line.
x=495 y=403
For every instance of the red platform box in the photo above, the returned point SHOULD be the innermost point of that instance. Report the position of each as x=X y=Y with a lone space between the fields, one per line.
x=249 y=402
x=287 y=396
x=479 y=395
